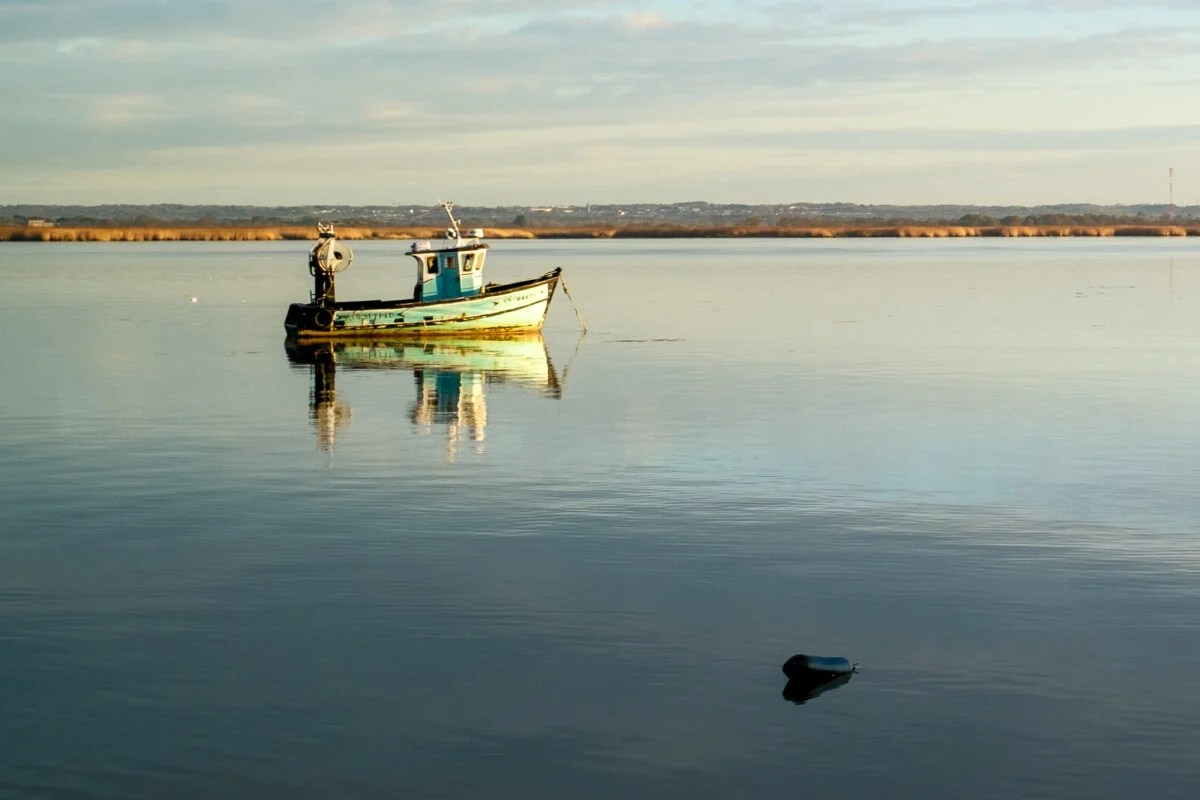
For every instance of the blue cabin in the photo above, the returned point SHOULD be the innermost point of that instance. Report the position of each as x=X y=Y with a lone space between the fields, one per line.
x=451 y=271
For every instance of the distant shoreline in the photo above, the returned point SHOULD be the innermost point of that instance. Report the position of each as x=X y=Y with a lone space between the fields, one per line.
x=268 y=233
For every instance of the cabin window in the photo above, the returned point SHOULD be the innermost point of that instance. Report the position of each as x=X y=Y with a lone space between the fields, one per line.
x=449 y=262
x=468 y=262
x=431 y=265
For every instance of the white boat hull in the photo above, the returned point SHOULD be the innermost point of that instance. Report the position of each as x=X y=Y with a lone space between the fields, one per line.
x=510 y=308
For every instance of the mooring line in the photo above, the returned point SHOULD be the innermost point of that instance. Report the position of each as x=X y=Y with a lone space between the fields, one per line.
x=567 y=292
x=571 y=360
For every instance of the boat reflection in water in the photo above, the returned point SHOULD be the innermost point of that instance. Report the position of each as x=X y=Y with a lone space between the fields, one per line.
x=450 y=375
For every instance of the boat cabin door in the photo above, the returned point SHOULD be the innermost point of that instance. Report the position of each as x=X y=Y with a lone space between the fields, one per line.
x=447 y=278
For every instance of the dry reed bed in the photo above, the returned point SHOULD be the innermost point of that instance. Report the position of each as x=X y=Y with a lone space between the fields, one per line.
x=297 y=232
x=198 y=234
x=238 y=234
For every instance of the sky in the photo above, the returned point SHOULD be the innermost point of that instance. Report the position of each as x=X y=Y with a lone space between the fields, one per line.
x=533 y=102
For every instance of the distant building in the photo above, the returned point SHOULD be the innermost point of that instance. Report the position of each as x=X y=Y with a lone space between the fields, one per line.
x=40 y=223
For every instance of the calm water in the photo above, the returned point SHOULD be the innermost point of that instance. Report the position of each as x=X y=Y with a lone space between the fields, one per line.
x=573 y=568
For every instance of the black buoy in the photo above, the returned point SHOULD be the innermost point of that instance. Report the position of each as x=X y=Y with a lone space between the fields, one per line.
x=810 y=676
x=801 y=665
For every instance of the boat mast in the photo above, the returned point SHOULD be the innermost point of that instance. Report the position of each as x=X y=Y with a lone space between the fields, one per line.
x=452 y=232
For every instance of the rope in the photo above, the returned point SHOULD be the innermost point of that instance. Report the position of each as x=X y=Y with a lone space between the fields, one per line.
x=567 y=369
x=567 y=292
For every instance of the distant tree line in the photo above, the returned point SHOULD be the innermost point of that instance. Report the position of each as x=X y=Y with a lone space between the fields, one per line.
x=617 y=215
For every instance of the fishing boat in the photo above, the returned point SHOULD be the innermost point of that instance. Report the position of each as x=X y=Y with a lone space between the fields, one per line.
x=450 y=296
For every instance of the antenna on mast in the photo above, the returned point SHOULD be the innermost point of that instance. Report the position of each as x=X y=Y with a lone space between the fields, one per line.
x=1170 y=194
x=452 y=232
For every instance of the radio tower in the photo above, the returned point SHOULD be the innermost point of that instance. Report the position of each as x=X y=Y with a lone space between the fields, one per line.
x=1170 y=194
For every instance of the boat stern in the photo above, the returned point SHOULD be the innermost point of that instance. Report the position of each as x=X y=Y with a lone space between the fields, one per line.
x=307 y=318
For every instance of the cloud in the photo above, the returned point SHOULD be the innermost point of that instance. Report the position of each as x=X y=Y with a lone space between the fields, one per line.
x=645 y=21
x=523 y=82
x=392 y=112
x=126 y=109
x=69 y=46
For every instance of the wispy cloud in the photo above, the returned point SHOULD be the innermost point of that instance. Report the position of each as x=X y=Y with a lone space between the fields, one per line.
x=645 y=21
x=126 y=109
x=655 y=94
